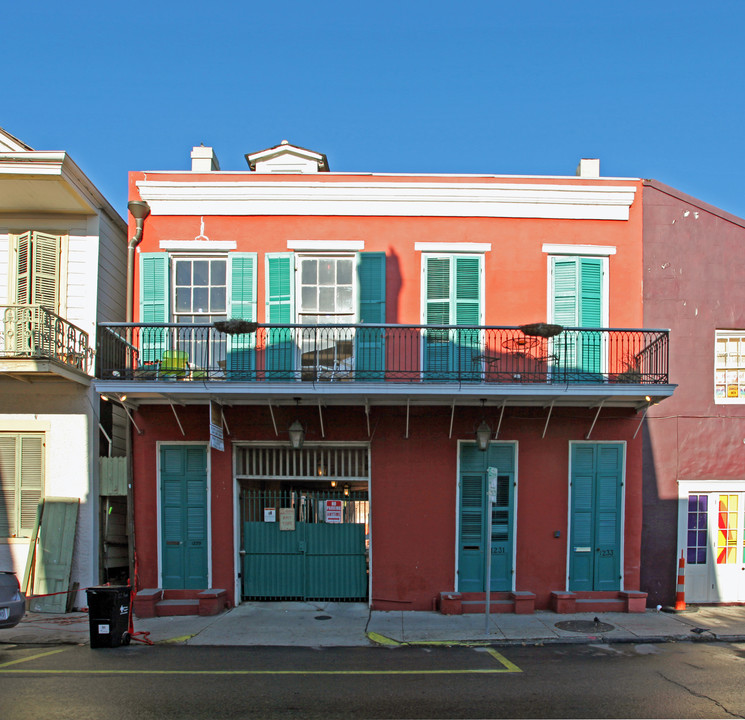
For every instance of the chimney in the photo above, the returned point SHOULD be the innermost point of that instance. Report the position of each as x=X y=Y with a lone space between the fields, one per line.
x=588 y=168
x=203 y=159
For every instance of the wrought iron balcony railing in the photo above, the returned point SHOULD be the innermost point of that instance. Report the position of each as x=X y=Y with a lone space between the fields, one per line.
x=34 y=332
x=240 y=351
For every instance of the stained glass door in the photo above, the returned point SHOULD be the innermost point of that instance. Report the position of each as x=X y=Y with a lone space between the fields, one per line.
x=715 y=547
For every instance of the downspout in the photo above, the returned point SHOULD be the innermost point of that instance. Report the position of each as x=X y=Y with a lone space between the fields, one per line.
x=140 y=210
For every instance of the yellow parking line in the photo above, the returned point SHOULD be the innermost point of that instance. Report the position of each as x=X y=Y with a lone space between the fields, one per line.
x=481 y=671
x=510 y=666
x=33 y=657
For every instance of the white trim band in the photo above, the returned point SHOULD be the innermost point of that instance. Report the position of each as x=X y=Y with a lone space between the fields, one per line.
x=452 y=247
x=381 y=199
x=187 y=245
x=598 y=250
x=326 y=245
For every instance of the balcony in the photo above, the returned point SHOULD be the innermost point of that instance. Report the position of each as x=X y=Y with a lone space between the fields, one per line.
x=341 y=361
x=34 y=341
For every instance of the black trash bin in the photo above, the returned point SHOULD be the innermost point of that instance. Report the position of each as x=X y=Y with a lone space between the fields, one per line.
x=109 y=608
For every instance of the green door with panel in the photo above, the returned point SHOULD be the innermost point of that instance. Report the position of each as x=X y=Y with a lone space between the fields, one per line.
x=183 y=487
x=596 y=516
x=473 y=520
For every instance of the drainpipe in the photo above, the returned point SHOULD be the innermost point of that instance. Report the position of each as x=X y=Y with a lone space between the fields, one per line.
x=140 y=210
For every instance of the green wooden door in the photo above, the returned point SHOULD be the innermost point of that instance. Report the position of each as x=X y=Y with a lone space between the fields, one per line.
x=472 y=541
x=596 y=516
x=183 y=482
x=452 y=297
x=577 y=301
x=54 y=554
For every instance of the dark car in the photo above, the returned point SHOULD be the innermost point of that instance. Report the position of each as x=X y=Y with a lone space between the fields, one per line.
x=12 y=600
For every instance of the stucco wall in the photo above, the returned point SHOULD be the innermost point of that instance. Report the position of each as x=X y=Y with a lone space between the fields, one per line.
x=694 y=284
x=413 y=490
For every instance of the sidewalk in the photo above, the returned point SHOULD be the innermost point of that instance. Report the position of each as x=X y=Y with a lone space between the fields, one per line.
x=322 y=624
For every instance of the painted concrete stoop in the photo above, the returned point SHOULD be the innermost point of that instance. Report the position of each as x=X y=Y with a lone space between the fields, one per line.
x=157 y=602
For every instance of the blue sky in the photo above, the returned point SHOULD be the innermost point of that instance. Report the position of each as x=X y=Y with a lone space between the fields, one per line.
x=655 y=89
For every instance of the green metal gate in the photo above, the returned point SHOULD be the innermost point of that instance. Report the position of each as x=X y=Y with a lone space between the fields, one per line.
x=304 y=545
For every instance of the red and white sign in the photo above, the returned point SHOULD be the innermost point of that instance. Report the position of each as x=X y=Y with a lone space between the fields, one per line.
x=333 y=511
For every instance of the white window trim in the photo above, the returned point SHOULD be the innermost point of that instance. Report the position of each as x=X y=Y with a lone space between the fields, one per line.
x=720 y=333
x=173 y=258
x=585 y=250
x=196 y=245
x=355 y=281
x=452 y=247
x=326 y=245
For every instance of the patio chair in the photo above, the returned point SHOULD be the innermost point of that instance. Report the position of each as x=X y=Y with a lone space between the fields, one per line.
x=174 y=365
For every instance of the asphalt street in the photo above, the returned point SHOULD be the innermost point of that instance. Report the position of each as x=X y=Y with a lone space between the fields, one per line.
x=685 y=680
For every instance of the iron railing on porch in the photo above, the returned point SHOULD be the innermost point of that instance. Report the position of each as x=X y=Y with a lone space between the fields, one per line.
x=408 y=353
x=34 y=332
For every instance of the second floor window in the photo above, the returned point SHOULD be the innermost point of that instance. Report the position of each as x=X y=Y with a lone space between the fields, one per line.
x=729 y=366
x=326 y=290
x=37 y=269
x=200 y=289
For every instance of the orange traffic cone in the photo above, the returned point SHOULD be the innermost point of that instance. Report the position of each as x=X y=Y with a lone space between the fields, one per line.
x=680 y=595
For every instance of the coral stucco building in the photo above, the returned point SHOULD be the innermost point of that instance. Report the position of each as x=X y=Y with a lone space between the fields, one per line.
x=333 y=377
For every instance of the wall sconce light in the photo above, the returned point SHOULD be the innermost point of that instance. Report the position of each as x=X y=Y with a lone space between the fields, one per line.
x=297 y=435
x=333 y=483
x=346 y=491
x=483 y=435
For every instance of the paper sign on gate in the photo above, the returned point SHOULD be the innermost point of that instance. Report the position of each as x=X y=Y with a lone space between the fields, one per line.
x=333 y=511
x=270 y=514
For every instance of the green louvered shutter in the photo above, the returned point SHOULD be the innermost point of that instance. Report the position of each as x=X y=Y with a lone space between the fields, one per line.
x=370 y=343
x=280 y=352
x=591 y=312
x=154 y=305
x=437 y=350
x=241 y=353
x=467 y=302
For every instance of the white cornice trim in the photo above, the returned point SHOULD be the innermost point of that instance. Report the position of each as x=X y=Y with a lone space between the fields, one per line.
x=402 y=199
x=452 y=247
x=327 y=245
x=599 y=250
x=217 y=245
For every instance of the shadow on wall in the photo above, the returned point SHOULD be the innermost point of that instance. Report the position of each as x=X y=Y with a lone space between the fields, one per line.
x=659 y=534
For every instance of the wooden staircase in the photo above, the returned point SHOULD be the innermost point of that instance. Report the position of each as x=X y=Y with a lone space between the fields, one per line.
x=156 y=602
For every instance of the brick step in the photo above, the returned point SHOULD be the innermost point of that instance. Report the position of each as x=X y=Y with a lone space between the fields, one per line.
x=168 y=608
x=454 y=603
x=567 y=602
x=152 y=602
